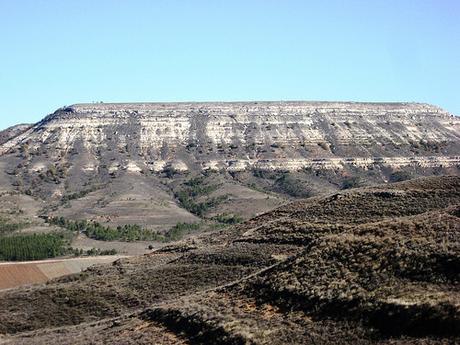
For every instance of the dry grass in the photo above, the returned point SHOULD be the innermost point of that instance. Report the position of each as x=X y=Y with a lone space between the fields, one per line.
x=366 y=266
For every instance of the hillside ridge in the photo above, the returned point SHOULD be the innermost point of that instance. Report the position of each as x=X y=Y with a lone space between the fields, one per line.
x=375 y=265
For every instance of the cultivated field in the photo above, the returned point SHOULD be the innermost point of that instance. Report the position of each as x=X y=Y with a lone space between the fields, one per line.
x=13 y=274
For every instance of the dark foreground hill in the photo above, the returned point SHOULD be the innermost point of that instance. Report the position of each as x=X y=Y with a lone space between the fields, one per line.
x=376 y=265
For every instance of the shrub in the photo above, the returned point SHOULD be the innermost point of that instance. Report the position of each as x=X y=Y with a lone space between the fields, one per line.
x=180 y=230
x=97 y=251
x=265 y=174
x=77 y=195
x=198 y=208
x=399 y=176
x=228 y=218
x=351 y=182
x=293 y=187
x=193 y=189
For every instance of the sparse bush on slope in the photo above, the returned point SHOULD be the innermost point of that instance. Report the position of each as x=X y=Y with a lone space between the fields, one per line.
x=193 y=189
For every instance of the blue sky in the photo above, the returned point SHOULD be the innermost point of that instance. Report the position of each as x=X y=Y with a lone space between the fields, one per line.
x=58 y=52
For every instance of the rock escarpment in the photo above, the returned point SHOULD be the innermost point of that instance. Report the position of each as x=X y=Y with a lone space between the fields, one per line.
x=238 y=136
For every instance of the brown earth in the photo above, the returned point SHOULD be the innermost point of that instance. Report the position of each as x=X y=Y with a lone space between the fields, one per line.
x=14 y=274
x=17 y=275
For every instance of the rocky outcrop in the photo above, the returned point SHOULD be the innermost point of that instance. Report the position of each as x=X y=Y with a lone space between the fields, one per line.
x=237 y=136
x=11 y=132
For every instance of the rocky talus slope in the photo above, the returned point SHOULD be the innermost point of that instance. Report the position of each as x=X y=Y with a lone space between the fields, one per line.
x=105 y=161
x=375 y=265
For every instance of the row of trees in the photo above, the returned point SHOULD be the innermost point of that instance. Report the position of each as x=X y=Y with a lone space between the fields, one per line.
x=94 y=252
x=129 y=232
x=97 y=231
x=32 y=247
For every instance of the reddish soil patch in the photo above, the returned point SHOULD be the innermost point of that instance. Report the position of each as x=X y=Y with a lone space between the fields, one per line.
x=16 y=275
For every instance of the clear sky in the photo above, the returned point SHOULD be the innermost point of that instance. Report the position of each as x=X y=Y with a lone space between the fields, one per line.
x=60 y=52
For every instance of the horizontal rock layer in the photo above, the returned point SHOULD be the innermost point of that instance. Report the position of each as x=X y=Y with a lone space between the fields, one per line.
x=236 y=136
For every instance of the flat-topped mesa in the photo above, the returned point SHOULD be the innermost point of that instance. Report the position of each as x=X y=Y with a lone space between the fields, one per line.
x=242 y=135
x=190 y=109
